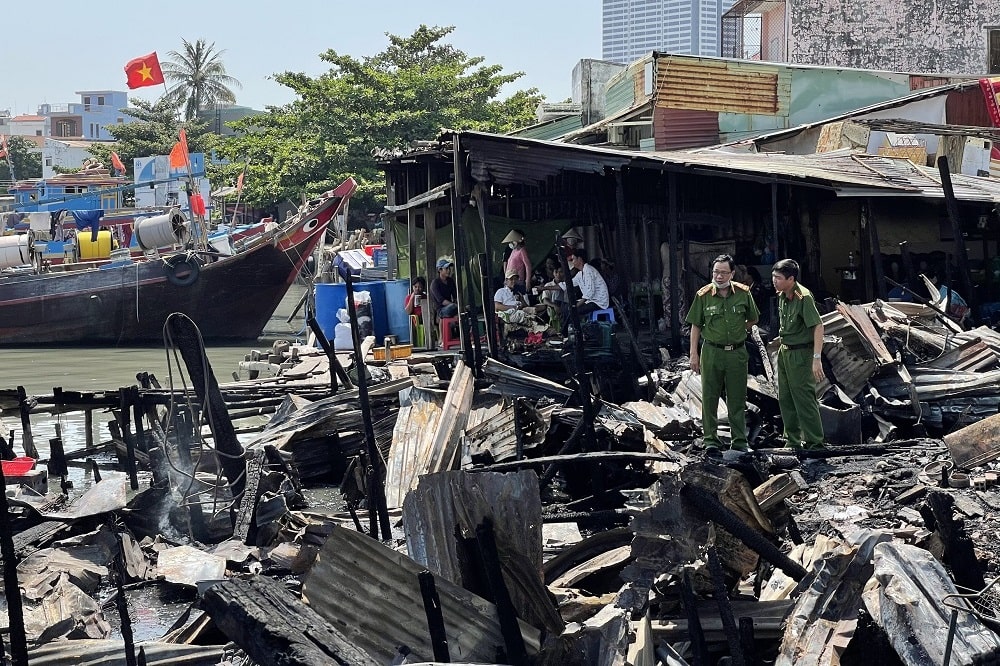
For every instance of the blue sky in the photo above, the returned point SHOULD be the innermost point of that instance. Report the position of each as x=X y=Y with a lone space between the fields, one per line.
x=74 y=46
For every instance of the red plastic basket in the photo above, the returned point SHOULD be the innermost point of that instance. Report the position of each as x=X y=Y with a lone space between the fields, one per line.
x=17 y=466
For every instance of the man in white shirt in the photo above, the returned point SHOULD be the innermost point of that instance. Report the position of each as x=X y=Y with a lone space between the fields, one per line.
x=592 y=286
x=505 y=299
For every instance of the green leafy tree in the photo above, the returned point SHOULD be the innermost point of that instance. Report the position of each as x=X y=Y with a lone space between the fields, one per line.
x=154 y=132
x=410 y=91
x=24 y=156
x=199 y=77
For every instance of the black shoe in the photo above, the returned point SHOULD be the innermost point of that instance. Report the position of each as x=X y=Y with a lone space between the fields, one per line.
x=713 y=452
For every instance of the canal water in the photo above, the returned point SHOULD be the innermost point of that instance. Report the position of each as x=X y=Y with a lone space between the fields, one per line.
x=97 y=368
x=153 y=608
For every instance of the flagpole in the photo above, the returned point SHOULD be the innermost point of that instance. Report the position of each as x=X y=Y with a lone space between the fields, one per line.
x=10 y=163
x=239 y=195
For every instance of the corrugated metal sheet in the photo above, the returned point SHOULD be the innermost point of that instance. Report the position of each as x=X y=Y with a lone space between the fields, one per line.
x=93 y=652
x=872 y=108
x=643 y=109
x=722 y=85
x=684 y=128
x=551 y=129
x=967 y=107
x=372 y=595
x=506 y=159
x=621 y=91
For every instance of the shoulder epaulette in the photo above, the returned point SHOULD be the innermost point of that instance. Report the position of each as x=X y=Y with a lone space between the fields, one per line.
x=739 y=286
x=704 y=290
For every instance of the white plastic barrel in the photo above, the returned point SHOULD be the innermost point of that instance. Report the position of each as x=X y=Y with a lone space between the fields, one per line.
x=162 y=230
x=14 y=251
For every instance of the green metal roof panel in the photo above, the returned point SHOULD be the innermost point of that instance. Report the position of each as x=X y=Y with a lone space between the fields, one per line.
x=551 y=129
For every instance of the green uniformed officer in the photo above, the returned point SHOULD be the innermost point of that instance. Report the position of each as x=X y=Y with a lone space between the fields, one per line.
x=800 y=363
x=721 y=314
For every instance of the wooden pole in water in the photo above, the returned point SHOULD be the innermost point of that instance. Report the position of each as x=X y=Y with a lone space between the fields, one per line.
x=125 y=416
x=27 y=441
x=12 y=590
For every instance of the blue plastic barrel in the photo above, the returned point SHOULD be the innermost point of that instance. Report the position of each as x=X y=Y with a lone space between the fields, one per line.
x=398 y=320
x=331 y=297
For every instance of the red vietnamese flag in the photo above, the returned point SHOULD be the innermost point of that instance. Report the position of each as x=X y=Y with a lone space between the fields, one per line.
x=144 y=71
x=116 y=162
x=3 y=146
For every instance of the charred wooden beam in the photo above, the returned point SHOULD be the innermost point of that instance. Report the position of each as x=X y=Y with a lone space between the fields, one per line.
x=959 y=551
x=509 y=628
x=435 y=619
x=265 y=619
x=12 y=590
x=708 y=505
x=725 y=607
x=695 y=633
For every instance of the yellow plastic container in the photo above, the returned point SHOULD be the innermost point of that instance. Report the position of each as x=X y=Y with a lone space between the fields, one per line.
x=99 y=249
x=395 y=351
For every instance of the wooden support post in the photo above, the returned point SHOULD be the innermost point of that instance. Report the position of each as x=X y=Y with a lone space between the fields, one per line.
x=509 y=628
x=27 y=440
x=725 y=607
x=125 y=418
x=695 y=632
x=12 y=590
x=748 y=643
x=961 y=254
x=95 y=470
x=88 y=425
x=435 y=619
x=376 y=489
x=876 y=252
x=57 y=463
x=121 y=601
x=141 y=442
x=675 y=274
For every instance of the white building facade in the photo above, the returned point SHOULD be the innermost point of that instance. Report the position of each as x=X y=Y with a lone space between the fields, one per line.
x=633 y=28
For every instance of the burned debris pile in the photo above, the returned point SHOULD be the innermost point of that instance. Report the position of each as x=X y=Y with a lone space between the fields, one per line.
x=488 y=515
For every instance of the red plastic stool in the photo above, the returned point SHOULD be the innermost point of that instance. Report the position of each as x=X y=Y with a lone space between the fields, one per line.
x=449 y=341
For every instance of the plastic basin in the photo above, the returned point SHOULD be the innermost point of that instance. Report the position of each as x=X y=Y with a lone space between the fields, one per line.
x=17 y=466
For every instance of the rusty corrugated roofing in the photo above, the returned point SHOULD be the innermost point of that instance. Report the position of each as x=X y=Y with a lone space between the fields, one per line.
x=505 y=159
x=729 y=86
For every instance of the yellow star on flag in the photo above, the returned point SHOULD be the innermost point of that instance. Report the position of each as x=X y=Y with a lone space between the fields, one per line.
x=146 y=72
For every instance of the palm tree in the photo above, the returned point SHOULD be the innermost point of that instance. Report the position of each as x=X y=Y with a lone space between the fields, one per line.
x=199 y=77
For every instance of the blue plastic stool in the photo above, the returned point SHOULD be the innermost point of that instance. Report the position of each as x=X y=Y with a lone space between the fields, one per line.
x=606 y=315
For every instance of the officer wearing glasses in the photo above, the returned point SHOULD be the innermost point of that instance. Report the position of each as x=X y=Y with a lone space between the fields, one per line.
x=720 y=316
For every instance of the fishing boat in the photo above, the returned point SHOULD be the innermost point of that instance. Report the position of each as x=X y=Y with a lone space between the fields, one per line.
x=125 y=300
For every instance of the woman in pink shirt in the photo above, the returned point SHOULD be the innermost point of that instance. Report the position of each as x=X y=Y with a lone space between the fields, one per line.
x=518 y=260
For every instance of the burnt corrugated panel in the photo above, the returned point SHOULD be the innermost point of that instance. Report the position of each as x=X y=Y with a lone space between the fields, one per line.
x=684 y=128
x=528 y=161
x=967 y=107
x=371 y=593
x=94 y=652
x=716 y=85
